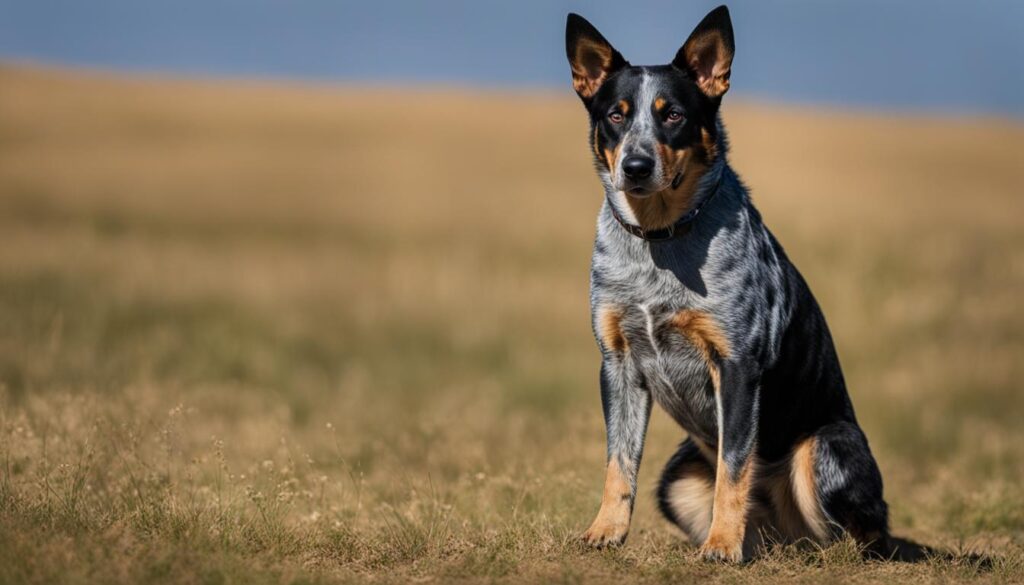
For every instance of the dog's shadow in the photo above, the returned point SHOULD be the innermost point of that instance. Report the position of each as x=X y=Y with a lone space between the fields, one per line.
x=893 y=550
x=904 y=550
x=687 y=262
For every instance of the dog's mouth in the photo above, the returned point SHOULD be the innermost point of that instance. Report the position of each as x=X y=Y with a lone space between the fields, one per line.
x=643 y=190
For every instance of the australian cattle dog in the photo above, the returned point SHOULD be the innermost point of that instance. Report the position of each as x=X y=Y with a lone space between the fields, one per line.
x=696 y=307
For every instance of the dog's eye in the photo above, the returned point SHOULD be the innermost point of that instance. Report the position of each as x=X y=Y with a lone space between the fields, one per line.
x=616 y=117
x=674 y=116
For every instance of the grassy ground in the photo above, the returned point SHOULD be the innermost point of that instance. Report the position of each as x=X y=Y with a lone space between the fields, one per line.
x=267 y=334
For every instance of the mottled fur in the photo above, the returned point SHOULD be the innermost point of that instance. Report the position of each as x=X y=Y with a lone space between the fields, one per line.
x=715 y=325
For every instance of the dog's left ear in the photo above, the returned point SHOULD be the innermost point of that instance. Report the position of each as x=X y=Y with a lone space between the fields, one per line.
x=707 y=54
x=592 y=58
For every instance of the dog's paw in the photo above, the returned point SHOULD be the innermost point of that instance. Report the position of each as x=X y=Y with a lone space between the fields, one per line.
x=602 y=533
x=717 y=550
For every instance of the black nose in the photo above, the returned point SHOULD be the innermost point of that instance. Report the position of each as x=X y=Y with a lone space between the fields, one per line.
x=637 y=167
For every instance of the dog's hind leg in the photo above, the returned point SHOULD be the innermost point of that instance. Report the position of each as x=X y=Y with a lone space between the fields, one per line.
x=686 y=491
x=837 y=487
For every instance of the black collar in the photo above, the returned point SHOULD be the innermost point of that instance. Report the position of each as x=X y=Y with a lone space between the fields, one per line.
x=668 y=232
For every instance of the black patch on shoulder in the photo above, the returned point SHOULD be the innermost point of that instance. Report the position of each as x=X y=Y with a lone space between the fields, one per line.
x=731 y=260
x=748 y=281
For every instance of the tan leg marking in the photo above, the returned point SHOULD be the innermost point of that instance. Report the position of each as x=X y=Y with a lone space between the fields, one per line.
x=609 y=325
x=805 y=489
x=612 y=522
x=729 y=515
x=730 y=503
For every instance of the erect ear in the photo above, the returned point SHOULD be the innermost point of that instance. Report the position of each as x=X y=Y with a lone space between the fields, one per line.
x=592 y=58
x=707 y=54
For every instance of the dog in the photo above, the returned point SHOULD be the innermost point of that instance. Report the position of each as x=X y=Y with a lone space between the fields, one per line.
x=696 y=307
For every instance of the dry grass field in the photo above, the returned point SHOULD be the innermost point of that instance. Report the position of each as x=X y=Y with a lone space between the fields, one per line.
x=258 y=333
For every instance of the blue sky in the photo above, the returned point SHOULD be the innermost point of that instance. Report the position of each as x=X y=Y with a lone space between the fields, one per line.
x=921 y=55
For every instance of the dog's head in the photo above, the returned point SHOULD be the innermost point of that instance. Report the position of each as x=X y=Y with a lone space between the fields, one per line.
x=653 y=129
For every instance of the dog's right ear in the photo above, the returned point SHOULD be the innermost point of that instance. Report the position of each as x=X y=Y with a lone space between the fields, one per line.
x=707 y=54
x=592 y=59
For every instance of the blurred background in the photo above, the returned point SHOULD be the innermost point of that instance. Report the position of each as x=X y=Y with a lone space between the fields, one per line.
x=297 y=291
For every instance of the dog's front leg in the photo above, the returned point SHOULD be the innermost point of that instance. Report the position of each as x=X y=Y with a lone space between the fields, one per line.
x=736 y=398
x=627 y=408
